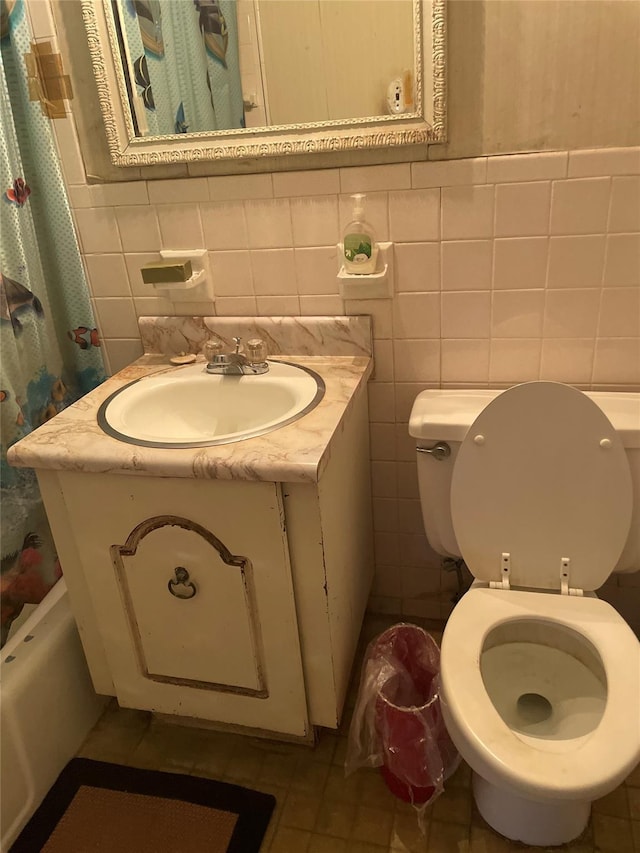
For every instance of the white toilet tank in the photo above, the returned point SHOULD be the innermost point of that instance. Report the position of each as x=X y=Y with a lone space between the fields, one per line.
x=445 y=416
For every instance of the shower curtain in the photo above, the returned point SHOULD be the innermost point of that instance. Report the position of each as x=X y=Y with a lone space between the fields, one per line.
x=49 y=347
x=185 y=63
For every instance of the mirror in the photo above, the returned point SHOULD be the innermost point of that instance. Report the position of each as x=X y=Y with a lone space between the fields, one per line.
x=186 y=80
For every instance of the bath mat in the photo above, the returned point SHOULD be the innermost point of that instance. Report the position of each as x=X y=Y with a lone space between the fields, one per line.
x=108 y=807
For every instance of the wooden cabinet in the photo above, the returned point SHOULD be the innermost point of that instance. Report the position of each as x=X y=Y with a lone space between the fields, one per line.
x=237 y=602
x=191 y=589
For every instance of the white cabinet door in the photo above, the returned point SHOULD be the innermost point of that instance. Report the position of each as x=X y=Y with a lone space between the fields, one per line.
x=188 y=599
x=191 y=585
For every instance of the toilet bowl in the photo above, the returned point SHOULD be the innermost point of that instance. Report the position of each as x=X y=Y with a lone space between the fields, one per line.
x=540 y=678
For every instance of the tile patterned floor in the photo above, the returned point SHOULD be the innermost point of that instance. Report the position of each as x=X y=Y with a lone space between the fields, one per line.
x=319 y=811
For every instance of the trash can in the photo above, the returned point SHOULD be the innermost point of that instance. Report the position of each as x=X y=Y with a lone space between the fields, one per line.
x=397 y=723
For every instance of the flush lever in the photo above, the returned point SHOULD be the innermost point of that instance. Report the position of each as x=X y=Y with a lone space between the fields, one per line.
x=441 y=450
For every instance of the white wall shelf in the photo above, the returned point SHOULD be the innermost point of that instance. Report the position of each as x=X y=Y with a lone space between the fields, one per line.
x=197 y=288
x=376 y=285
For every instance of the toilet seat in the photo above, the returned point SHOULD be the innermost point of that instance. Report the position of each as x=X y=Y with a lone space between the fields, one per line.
x=582 y=768
x=541 y=482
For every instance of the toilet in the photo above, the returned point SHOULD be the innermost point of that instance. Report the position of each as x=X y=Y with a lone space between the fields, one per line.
x=540 y=679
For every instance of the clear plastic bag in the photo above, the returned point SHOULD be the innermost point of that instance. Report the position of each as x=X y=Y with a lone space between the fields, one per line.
x=397 y=723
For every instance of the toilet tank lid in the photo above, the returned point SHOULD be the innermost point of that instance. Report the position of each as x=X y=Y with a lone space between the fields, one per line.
x=446 y=415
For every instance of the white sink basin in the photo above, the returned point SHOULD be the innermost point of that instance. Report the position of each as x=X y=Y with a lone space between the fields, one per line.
x=188 y=407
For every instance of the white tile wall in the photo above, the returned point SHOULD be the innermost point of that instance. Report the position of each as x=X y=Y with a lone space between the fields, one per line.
x=449 y=173
x=138 y=228
x=466 y=264
x=232 y=187
x=314 y=220
x=522 y=209
x=417 y=267
x=520 y=262
x=507 y=269
x=294 y=184
x=98 y=230
x=180 y=226
x=527 y=167
x=467 y=212
x=286 y=306
x=108 y=274
x=116 y=317
x=571 y=313
x=580 y=206
x=225 y=225
x=625 y=205
x=604 y=161
x=315 y=270
x=269 y=223
x=318 y=306
x=466 y=314
x=274 y=272
x=517 y=313
x=620 y=313
x=232 y=272
x=465 y=360
x=414 y=215
x=576 y=261
x=515 y=360
x=359 y=179
x=416 y=315
x=567 y=360
x=622 y=265
x=171 y=192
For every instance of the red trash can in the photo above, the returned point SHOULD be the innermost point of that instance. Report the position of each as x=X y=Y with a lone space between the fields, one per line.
x=417 y=751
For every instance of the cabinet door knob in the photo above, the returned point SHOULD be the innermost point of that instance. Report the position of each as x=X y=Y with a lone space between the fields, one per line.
x=181 y=587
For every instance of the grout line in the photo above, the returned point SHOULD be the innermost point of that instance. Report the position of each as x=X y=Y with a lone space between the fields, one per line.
x=601 y=299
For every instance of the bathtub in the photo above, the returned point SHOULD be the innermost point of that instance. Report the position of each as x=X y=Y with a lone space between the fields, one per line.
x=47 y=707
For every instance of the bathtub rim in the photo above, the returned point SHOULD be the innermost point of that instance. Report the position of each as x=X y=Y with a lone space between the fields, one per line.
x=30 y=625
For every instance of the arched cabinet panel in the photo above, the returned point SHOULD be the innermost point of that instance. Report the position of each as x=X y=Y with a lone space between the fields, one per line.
x=191 y=607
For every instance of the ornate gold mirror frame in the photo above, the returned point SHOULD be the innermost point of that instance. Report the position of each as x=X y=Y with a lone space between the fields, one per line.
x=427 y=125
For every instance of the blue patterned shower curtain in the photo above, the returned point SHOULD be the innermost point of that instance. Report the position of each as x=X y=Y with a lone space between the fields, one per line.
x=49 y=348
x=185 y=63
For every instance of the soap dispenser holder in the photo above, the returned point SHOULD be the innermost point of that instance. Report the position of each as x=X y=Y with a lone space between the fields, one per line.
x=375 y=285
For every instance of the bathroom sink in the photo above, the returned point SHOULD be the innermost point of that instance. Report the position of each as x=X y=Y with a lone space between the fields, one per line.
x=187 y=407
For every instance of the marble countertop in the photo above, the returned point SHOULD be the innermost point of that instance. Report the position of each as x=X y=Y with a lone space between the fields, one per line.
x=73 y=441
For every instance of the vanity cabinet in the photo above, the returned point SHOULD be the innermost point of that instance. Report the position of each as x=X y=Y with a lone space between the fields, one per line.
x=230 y=601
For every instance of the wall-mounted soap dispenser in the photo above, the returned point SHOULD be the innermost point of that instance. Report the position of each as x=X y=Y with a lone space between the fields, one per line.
x=365 y=270
x=359 y=246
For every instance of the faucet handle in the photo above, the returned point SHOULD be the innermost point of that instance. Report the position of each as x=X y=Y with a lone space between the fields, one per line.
x=210 y=349
x=256 y=351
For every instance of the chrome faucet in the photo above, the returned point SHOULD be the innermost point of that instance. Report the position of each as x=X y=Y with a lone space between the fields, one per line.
x=236 y=363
